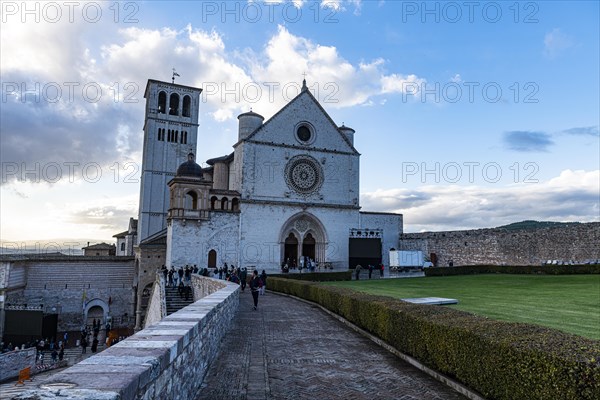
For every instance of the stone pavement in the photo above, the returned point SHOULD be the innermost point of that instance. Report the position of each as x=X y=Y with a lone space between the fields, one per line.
x=289 y=349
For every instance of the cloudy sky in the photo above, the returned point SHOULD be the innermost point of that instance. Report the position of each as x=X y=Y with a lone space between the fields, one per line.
x=467 y=114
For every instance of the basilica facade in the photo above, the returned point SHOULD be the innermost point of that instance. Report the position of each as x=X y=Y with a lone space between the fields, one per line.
x=289 y=190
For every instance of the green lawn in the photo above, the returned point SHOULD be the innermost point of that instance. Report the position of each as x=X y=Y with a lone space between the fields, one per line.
x=566 y=302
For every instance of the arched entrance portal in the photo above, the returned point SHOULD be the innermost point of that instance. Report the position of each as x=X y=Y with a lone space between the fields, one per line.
x=302 y=237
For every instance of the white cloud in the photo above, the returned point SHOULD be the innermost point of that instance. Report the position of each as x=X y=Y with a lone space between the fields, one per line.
x=571 y=196
x=234 y=80
x=556 y=42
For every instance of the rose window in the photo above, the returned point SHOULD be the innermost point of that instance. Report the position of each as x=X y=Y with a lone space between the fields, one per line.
x=303 y=174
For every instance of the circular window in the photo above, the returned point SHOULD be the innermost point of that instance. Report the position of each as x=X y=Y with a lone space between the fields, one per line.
x=304 y=133
x=303 y=174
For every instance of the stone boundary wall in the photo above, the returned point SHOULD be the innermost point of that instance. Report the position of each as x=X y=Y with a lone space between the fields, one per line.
x=497 y=246
x=157 y=305
x=14 y=361
x=168 y=360
x=203 y=287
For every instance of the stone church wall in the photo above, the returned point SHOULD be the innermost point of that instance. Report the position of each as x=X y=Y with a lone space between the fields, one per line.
x=261 y=225
x=572 y=242
x=194 y=239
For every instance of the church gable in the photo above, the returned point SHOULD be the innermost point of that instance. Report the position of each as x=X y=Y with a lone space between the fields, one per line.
x=305 y=124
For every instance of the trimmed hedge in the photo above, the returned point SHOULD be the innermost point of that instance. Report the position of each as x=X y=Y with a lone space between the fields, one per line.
x=500 y=360
x=317 y=276
x=508 y=269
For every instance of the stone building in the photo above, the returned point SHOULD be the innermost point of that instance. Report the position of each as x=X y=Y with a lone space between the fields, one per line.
x=289 y=192
x=99 y=249
x=45 y=294
x=127 y=239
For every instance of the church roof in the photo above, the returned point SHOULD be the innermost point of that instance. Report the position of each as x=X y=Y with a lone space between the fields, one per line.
x=99 y=246
x=121 y=235
x=190 y=168
x=310 y=95
x=226 y=158
x=250 y=114
x=159 y=238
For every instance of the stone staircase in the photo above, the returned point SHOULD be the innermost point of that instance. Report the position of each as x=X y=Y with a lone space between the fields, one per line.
x=174 y=301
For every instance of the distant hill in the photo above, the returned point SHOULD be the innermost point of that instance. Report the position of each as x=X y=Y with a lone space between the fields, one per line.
x=530 y=224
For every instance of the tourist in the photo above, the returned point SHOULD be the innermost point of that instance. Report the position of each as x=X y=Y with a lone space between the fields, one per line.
x=170 y=275
x=370 y=271
x=188 y=274
x=234 y=278
x=263 y=281
x=84 y=344
x=180 y=274
x=381 y=269
x=61 y=354
x=243 y=277
x=255 y=287
x=357 y=271
x=175 y=283
x=195 y=269
x=181 y=289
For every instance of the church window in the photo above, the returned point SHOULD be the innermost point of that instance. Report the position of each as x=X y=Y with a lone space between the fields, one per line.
x=191 y=201
x=122 y=246
x=187 y=102
x=184 y=137
x=213 y=202
x=305 y=133
x=224 y=203
x=176 y=135
x=162 y=102
x=169 y=135
x=304 y=175
x=174 y=104
x=235 y=204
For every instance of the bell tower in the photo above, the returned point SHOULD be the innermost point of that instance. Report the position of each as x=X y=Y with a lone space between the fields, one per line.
x=170 y=133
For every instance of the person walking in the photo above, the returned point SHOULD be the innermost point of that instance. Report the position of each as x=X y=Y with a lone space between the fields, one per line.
x=370 y=271
x=243 y=277
x=357 y=271
x=255 y=287
x=263 y=280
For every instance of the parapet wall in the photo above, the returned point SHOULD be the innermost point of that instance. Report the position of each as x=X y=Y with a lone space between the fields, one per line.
x=572 y=242
x=168 y=360
x=14 y=361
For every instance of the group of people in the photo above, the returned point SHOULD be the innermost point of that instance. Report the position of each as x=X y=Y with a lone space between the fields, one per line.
x=181 y=278
x=306 y=263
x=85 y=334
x=42 y=346
x=173 y=277
x=257 y=283
x=370 y=268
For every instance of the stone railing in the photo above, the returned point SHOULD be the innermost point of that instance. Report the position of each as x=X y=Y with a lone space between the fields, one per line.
x=168 y=360
x=202 y=287
x=14 y=361
x=157 y=305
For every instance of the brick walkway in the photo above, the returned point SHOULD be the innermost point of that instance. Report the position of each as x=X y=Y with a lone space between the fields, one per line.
x=291 y=350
